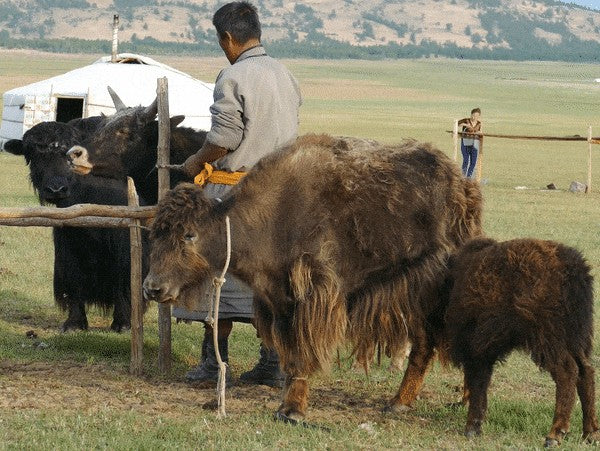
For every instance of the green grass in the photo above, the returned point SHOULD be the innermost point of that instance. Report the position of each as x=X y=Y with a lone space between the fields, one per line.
x=76 y=392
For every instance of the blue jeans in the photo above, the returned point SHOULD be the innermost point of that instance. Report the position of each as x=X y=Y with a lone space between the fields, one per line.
x=469 y=154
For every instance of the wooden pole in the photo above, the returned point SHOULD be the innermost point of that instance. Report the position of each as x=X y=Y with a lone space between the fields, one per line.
x=115 y=39
x=589 y=178
x=137 y=310
x=455 y=139
x=78 y=211
x=164 y=184
x=84 y=221
x=480 y=159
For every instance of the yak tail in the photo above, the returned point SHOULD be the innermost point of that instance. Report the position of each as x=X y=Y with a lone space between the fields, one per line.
x=388 y=311
x=319 y=315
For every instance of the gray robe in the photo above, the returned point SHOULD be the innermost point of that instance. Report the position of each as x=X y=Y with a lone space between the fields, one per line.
x=255 y=112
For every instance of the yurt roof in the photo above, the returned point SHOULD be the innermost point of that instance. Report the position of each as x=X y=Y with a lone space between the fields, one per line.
x=134 y=79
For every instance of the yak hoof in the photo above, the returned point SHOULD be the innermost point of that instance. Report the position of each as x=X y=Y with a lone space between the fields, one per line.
x=396 y=408
x=291 y=417
x=68 y=325
x=551 y=442
x=472 y=432
x=593 y=437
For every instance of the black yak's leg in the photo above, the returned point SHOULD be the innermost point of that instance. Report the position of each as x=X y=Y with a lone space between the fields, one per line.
x=565 y=374
x=121 y=314
x=418 y=363
x=586 y=391
x=295 y=398
x=77 y=318
x=477 y=381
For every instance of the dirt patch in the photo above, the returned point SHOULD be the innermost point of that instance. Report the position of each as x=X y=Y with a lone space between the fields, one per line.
x=94 y=388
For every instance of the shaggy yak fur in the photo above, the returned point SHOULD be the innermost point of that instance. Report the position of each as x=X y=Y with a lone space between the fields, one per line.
x=335 y=242
x=523 y=294
x=126 y=145
x=91 y=265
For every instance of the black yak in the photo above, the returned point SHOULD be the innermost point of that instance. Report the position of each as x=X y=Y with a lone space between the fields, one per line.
x=335 y=242
x=524 y=294
x=126 y=145
x=91 y=265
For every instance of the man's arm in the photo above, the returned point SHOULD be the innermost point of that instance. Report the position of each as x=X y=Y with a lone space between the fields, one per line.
x=195 y=163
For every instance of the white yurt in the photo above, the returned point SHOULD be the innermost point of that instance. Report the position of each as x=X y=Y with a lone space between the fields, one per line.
x=83 y=93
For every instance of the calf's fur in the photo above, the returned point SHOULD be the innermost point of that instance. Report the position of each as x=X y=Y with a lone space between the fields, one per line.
x=525 y=294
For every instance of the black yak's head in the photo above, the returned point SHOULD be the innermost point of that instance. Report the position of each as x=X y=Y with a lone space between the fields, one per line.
x=44 y=148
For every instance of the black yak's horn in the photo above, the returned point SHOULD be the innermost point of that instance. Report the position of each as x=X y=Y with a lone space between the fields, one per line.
x=151 y=110
x=119 y=105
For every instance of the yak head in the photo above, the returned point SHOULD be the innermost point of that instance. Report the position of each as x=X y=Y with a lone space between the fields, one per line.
x=182 y=244
x=44 y=148
x=125 y=145
x=119 y=143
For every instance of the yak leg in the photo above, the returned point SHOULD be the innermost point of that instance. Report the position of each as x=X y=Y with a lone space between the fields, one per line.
x=565 y=375
x=121 y=315
x=418 y=363
x=295 y=398
x=477 y=381
x=77 y=318
x=586 y=390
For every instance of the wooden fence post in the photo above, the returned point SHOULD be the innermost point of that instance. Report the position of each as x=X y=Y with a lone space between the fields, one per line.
x=137 y=311
x=162 y=159
x=455 y=139
x=480 y=159
x=589 y=178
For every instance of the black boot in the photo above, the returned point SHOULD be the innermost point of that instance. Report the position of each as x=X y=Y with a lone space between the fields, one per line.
x=208 y=369
x=266 y=371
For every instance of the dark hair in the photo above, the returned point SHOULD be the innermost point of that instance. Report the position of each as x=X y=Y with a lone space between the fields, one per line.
x=240 y=19
x=475 y=110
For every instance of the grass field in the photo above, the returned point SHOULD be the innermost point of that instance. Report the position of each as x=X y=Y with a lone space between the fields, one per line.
x=74 y=391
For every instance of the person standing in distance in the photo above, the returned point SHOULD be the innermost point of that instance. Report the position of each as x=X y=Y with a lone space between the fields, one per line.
x=469 y=144
x=255 y=112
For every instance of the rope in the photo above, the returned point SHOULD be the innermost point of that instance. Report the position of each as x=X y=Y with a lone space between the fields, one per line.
x=213 y=320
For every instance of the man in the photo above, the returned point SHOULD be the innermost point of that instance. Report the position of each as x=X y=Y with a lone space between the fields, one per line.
x=255 y=112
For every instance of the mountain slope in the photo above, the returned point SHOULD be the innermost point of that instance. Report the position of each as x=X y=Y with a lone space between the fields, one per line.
x=492 y=27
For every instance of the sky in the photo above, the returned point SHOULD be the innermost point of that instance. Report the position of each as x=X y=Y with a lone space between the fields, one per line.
x=595 y=4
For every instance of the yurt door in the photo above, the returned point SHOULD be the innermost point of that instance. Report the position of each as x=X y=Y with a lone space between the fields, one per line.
x=68 y=108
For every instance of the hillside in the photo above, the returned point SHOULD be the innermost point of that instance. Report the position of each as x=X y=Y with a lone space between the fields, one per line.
x=516 y=29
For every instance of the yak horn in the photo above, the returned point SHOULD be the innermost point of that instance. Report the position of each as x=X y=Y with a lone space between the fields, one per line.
x=119 y=105
x=151 y=110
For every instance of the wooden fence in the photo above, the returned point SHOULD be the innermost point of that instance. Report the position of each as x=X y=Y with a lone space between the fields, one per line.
x=589 y=139
x=132 y=216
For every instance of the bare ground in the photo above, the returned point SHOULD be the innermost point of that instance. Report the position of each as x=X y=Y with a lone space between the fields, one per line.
x=92 y=388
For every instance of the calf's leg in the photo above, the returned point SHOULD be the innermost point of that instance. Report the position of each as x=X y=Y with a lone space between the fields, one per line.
x=586 y=392
x=477 y=382
x=565 y=375
x=419 y=360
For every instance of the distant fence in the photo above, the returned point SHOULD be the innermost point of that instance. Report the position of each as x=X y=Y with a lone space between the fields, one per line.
x=92 y=215
x=590 y=140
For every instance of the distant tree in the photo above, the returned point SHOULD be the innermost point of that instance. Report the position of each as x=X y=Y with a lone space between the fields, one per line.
x=468 y=30
x=448 y=27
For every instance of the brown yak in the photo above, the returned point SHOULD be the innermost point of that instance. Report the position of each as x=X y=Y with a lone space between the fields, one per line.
x=335 y=242
x=528 y=294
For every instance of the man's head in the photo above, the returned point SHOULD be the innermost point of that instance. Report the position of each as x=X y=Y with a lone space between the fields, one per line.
x=238 y=27
x=475 y=113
